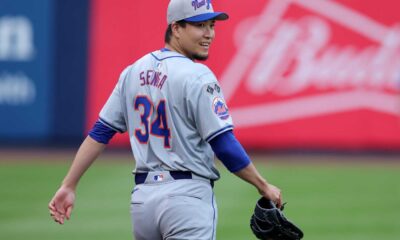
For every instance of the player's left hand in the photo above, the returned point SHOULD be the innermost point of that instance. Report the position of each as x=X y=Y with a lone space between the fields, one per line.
x=272 y=193
x=62 y=204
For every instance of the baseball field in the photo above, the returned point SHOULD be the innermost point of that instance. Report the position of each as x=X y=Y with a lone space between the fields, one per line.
x=330 y=197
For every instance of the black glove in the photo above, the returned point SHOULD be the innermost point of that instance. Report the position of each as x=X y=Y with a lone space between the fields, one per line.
x=268 y=223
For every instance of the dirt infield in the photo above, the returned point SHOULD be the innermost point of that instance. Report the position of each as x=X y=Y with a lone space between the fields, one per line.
x=326 y=158
x=53 y=155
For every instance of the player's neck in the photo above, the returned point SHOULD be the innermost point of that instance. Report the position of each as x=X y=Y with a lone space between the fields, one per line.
x=175 y=48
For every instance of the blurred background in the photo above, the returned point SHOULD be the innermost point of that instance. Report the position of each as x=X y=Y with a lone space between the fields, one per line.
x=313 y=87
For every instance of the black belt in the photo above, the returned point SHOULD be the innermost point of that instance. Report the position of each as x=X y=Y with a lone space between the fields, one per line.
x=141 y=177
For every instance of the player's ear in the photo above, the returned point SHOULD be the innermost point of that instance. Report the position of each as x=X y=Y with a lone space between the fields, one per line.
x=176 y=30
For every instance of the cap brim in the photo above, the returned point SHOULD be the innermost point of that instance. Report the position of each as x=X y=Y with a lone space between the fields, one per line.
x=208 y=16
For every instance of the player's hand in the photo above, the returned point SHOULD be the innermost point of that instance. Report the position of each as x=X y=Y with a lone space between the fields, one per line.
x=272 y=193
x=62 y=204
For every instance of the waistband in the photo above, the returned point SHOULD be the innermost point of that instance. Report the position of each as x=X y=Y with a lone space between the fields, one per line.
x=165 y=176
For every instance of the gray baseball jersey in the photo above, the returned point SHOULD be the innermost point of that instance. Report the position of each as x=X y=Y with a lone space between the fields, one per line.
x=171 y=107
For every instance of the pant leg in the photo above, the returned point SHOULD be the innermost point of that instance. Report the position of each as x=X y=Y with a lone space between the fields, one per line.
x=144 y=222
x=188 y=212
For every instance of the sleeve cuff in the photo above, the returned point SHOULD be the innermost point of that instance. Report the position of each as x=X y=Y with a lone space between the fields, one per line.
x=218 y=132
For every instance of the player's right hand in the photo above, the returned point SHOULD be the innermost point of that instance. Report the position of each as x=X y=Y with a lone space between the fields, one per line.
x=272 y=193
x=62 y=204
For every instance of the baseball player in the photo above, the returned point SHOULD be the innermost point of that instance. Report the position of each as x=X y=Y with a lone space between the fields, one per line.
x=175 y=113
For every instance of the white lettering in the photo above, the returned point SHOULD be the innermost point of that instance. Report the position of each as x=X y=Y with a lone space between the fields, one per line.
x=298 y=57
x=16 y=39
x=16 y=89
x=334 y=56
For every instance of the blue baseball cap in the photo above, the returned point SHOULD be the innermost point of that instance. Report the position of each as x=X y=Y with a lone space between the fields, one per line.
x=193 y=11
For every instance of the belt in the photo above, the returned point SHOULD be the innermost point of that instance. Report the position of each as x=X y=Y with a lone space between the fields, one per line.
x=176 y=175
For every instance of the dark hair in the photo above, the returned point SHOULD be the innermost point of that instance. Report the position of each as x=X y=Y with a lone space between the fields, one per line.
x=168 y=32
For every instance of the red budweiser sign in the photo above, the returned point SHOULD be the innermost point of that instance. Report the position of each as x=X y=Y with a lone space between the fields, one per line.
x=303 y=73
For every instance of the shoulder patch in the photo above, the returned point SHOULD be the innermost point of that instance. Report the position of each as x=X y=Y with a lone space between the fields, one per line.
x=217 y=88
x=213 y=88
x=220 y=108
x=210 y=89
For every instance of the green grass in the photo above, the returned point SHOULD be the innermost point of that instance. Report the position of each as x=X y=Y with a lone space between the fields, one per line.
x=329 y=202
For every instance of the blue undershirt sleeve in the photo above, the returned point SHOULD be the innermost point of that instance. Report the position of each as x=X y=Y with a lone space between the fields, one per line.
x=230 y=151
x=101 y=133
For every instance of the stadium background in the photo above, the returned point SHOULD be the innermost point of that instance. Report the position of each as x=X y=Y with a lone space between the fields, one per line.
x=313 y=87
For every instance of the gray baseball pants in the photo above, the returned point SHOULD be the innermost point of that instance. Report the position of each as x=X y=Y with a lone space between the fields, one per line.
x=163 y=208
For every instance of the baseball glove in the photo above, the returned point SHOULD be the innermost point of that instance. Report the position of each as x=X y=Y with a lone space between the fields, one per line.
x=268 y=223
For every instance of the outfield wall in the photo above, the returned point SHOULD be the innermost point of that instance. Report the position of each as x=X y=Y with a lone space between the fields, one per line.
x=26 y=68
x=297 y=74
x=43 y=56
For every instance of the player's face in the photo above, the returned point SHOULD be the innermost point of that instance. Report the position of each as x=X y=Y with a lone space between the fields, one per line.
x=196 y=39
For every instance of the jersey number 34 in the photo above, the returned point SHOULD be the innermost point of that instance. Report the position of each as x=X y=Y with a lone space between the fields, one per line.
x=159 y=126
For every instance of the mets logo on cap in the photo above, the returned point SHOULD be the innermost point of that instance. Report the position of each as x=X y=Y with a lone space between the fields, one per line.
x=199 y=3
x=220 y=108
